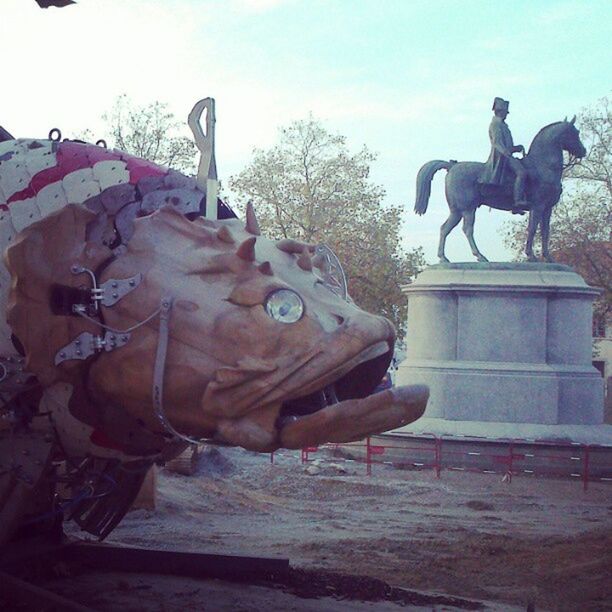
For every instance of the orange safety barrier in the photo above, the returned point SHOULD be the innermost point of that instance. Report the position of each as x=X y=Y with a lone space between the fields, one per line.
x=513 y=461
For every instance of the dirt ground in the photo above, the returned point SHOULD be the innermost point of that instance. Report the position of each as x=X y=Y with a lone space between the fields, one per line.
x=542 y=542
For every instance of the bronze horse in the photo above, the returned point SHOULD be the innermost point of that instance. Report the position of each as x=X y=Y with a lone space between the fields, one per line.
x=464 y=193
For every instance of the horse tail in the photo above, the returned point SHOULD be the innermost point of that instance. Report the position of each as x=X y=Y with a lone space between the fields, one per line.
x=4 y=135
x=423 y=185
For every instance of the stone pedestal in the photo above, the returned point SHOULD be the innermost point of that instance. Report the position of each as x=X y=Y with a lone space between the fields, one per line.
x=503 y=344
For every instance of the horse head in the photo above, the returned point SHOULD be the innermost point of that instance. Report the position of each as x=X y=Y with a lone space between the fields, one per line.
x=570 y=139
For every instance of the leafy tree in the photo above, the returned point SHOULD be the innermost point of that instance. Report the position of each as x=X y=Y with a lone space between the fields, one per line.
x=311 y=188
x=582 y=221
x=151 y=132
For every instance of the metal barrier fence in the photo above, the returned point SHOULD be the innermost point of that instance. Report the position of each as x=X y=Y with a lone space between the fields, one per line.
x=507 y=457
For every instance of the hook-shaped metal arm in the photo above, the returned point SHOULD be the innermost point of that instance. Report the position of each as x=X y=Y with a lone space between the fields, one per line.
x=205 y=141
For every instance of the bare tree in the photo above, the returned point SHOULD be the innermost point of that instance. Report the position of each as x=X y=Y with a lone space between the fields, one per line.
x=312 y=188
x=582 y=221
x=151 y=132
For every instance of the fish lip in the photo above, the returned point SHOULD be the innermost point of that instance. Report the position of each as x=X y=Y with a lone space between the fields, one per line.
x=354 y=419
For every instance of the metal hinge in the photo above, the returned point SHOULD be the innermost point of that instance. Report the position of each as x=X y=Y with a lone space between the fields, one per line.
x=87 y=344
x=12 y=375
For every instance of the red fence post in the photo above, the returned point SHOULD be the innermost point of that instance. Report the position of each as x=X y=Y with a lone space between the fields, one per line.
x=585 y=469
x=510 y=459
x=438 y=455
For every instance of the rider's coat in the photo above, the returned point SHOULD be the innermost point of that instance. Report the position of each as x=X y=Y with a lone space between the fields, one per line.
x=497 y=168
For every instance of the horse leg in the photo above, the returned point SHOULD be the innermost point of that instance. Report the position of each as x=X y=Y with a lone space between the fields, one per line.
x=453 y=218
x=535 y=217
x=545 y=229
x=469 y=216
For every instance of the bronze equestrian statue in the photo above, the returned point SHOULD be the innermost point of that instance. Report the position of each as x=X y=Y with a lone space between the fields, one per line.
x=504 y=182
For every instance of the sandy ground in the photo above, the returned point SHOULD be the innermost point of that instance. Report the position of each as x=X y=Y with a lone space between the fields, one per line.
x=536 y=541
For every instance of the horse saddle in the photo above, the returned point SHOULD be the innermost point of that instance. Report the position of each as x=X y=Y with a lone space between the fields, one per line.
x=500 y=196
x=496 y=190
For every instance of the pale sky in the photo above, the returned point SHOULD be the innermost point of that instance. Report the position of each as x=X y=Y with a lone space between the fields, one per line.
x=412 y=80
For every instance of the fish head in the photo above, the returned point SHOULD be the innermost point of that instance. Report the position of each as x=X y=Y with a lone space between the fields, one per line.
x=261 y=339
x=260 y=345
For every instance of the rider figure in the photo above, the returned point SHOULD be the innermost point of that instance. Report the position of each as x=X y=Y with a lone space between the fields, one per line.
x=500 y=158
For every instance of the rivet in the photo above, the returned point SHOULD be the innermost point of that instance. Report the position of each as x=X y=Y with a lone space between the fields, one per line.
x=77 y=342
x=114 y=285
x=115 y=295
x=79 y=353
x=132 y=283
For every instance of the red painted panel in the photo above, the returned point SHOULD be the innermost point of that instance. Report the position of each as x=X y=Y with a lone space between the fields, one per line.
x=72 y=156
x=139 y=168
x=24 y=194
x=98 y=154
x=44 y=178
x=99 y=438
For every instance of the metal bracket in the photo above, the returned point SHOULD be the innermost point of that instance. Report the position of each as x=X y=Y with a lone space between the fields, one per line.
x=115 y=289
x=335 y=278
x=25 y=455
x=109 y=292
x=87 y=344
x=12 y=375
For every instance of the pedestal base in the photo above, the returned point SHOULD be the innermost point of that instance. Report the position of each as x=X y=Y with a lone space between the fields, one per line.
x=503 y=344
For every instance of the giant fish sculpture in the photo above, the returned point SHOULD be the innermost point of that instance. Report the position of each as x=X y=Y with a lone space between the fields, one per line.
x=134 y=325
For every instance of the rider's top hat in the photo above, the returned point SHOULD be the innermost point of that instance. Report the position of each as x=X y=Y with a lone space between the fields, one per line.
x=501 y=104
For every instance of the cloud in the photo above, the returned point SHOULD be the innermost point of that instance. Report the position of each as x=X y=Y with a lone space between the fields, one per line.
x=256 y=6
x=560 y=12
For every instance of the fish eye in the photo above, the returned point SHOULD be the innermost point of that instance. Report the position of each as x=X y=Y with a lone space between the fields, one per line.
x=284 y=306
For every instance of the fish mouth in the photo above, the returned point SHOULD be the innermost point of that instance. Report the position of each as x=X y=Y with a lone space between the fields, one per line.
x=330 y=396
x=348 y=408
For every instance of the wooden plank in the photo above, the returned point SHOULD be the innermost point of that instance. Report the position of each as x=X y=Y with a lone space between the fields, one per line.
x=193 y=564
x=18 y=590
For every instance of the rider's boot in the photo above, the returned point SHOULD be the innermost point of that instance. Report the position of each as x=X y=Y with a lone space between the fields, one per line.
x=520 y=207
